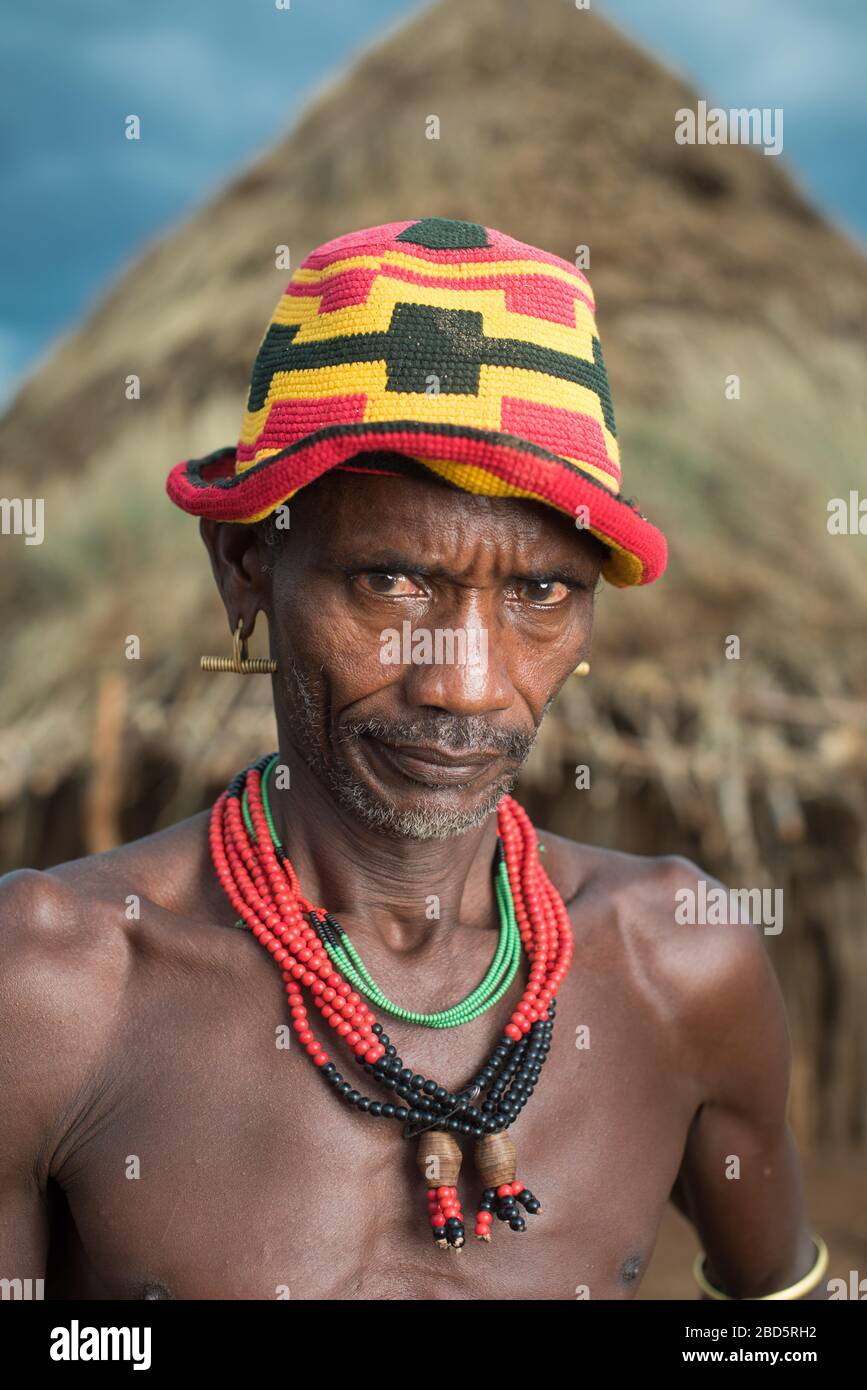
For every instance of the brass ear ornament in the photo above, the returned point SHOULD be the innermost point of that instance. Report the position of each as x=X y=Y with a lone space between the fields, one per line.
x=582 y=669
x=239 y=661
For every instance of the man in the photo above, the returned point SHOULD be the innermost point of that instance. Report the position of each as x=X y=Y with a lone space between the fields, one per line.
x=428 y=453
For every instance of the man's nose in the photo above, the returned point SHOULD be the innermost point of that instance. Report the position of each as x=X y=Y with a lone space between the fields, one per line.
x=459 y=665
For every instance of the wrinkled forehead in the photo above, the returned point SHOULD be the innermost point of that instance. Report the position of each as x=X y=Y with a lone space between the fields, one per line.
x=391 y=503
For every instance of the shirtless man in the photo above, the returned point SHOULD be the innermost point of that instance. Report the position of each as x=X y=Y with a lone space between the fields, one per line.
x=158 y=1144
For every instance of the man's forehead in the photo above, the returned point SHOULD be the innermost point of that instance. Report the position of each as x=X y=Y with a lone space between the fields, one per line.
x=389 y=517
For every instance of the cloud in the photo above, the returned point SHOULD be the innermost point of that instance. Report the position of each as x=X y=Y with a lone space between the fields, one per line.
x=203 y=89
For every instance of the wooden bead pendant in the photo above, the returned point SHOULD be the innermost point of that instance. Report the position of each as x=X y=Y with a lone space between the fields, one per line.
x=438 y=1158
x=496 y=1159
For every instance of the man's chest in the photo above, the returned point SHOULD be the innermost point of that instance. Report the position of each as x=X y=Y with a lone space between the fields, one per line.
x=218 y=1164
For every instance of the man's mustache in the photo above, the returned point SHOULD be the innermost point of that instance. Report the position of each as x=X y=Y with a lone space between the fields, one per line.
x=467 y=734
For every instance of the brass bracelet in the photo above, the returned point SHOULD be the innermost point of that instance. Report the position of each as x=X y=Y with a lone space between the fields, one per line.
x=803 y=1286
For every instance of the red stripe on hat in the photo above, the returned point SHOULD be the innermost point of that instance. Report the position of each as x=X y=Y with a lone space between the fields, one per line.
x=373 y=241
x=560 y=430
x=289 y=421
x=554 y=301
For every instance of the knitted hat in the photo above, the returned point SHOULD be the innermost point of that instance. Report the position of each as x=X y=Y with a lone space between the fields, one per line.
x=470 y=352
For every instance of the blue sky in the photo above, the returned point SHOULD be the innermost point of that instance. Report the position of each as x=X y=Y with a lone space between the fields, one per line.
x=216 y=81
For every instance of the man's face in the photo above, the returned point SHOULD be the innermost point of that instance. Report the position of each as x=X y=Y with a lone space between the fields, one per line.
x=420 y=635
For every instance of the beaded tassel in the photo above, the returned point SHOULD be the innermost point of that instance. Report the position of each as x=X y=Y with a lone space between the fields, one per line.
x=439 y=1161
x=496 y=1161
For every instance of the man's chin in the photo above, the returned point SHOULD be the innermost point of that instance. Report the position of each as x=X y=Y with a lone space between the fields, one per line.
x=431 y=813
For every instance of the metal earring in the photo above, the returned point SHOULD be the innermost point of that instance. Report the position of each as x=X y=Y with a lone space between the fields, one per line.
x=239 y=661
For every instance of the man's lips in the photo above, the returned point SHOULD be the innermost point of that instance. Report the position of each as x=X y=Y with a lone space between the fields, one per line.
x=431 y=764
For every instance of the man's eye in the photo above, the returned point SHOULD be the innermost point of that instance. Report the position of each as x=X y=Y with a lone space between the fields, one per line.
x=391 y=585
x=542 y=591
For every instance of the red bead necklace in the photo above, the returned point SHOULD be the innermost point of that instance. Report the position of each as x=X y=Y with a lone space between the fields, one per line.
x=264 y=891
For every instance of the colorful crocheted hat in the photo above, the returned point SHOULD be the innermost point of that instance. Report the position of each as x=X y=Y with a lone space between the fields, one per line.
x=470 y=352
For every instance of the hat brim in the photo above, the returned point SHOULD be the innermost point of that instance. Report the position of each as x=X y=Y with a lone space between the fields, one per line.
x=484 y=462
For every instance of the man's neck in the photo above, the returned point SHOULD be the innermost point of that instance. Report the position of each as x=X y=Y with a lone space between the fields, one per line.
x=404 y=889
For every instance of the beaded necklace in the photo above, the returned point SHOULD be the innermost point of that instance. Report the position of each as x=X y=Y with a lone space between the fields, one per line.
x=305 y=942
x=347 y=960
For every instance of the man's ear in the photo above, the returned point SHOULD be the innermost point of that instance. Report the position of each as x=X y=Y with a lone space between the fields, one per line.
x=236 y=563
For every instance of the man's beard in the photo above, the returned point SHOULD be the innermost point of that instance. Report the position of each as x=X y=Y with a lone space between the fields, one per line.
x=306 y=697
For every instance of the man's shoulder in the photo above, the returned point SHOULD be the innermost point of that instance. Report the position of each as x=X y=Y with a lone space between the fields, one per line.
x=61 y=955
x=44 y=914
x=70 y=938
x=647 y=894
x=63 y=975
x=711 y=976
x=68 y=933
x=643 y=888
x=157 y=866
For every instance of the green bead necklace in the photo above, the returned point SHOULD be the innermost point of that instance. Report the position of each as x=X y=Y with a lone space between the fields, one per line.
x=347 y=960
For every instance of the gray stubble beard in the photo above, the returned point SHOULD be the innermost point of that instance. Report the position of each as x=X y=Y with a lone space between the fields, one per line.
x=427 y=823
